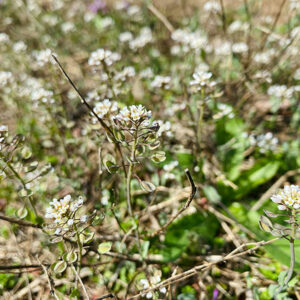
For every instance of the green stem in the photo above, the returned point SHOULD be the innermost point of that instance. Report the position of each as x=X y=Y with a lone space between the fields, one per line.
x=200 y=121
x=79 y=252
x=23 y=184
x=292 y=251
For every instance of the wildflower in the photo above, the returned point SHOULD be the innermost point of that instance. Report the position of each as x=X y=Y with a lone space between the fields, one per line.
x=83 y=218
x=237 y=26
x=212 y=6
x=267 y=142
x=5 y=78
x=101 y=56
x=42 y=95
x=142 y=40
x=4 y=38
x=161 y=82
x=288 y=197
x=135 y=113
x=239 y=47
x=125 y=37
x=278 y=91
x=223 y=49
x=19 y=46
x=127 y=72
x=58 y=209
x=97 y=5
x=43 y=57
x=154 y=280
x=201 y=78
x=102 y=109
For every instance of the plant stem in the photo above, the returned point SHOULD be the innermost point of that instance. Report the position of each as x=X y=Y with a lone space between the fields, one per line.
x=79 y=252
x=292 y=251
x=200 y=121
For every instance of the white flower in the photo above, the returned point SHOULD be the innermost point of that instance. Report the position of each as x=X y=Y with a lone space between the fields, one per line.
x=103 y=56
x=239 y=47
x=201 y=78
x=146 y=73
x=133 y=113
x=288 y=197
x=125 y=37
x=105 y=107
x=70 y=222
x=223 y=49
x=5 y=78
x=4 y=38
x=19 y=46
x=68 y=27
x=126 y=73
x=278 y=91
x=58 y=208
x=43 y=57
x=237 y=25
x=161 y=81
x=212 y=6
x=267 y=142
x=42 y=95
x=83 y=218
x=142 y=40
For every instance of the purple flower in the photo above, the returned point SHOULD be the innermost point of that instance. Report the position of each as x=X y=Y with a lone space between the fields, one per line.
x=97 y=5
x=215 y=294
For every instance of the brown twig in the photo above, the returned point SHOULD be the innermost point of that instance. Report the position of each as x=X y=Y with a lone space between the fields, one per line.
x=186 y=205
x=180 y=277
x=161 y=17
x=20 y=222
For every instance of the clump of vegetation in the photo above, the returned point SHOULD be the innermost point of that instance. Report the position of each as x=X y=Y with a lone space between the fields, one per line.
x=139 y=150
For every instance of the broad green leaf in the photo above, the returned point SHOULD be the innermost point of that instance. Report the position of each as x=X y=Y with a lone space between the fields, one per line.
x=104 y=247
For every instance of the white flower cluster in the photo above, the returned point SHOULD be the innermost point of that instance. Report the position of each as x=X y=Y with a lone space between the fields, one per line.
x=266 y=142
x=161 y=82
x=4 y=38
x=126 y=73
x=168 y=168
x=288 y=197
x=223 y=48
x=212 y=6
x=280 y=91
x=239 y=48
x=43 y=57
x=264 y=57
x=19 y=46
x=224 y=110
x=145 y=37
x=238 y=25
x=103 y=108
x=154 y=280
x=133 y=113
x=191 y=40
x=42 y=95
x=5 y=78
x=201 y=79
x=64 y=209
x=164 y=127
x=125 y=37
x=100 y=56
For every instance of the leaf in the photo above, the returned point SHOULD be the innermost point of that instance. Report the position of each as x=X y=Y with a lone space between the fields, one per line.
x=31 y=167
x=177 y=238
x=265 y=224
x=26 y=152
x=22 y=212
x=60 y=267
x=25 y=193
x=147 y=186
x=145 y=248
x=211 y=194
x=158 y=156
x=89 y=237
x=109 y=163
x=104 y=247
x=71 y=257
x=270 y=214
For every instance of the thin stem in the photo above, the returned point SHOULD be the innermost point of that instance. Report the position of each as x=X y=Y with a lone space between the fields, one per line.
x=23 y=184
x=82 y=285
x=292 y=251
x=201 y=115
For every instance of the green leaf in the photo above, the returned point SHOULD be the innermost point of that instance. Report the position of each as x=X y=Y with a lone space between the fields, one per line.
x=104 y=247
x=60 y=267
x=158 y=156
x=145 y=248
x=147 y=186
x=22 y=212
x=211 y=194
x=177 y=239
